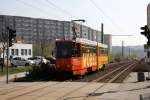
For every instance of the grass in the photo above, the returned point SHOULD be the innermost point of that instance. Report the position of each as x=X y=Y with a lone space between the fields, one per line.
x=13 y=70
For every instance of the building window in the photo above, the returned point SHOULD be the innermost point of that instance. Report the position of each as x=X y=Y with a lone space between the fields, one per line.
x=12 y=52
x=16 y=51
x=22 y=51
x=29 y=52
x=25 y=51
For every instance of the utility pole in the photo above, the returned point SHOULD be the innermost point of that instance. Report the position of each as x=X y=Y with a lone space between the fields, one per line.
x=102 y=31
x=129 y=52
x=123 y=49
x=7 y=51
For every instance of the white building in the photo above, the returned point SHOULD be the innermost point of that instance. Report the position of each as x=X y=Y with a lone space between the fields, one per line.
x=19 y=50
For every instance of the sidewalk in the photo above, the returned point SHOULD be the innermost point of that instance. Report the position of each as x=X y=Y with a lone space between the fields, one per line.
x=12 y=76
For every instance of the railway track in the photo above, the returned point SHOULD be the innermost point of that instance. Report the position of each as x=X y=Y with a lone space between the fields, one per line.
x=115 y=74
x=94 y=77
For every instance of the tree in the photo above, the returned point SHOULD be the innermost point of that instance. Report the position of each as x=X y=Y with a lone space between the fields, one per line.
x=134 y=54
x=118 y=57
x=111 y=58
x=3 y=41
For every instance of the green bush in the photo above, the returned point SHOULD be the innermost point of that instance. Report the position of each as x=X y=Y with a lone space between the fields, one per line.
x=43 y=71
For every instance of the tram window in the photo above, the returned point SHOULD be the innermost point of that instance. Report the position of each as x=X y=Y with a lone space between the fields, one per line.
x=106 y=51
x=63 y=50
x=83 y=50
x=99 y=51
x=91 y=50
x=102 y=51
x=94 y=50
x=76 y=50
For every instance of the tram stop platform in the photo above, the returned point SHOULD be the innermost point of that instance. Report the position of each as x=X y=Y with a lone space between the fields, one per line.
x=129 y=90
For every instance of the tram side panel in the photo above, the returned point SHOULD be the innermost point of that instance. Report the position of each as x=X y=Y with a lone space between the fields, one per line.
x=103 y=57
x=88 y=59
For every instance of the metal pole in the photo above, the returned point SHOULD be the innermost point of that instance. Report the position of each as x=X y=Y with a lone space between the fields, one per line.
x=3 y=59
x=148 y=54
x=149 y=71
x=7 y=55
x=102 y=31
x=122 y=49
x=129 y=52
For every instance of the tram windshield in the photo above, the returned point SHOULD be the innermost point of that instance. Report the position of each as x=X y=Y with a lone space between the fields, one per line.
x=67 y=49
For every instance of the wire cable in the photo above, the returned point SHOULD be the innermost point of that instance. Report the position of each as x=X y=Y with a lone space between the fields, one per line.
x=61 y=9
x=34 y=7
x=108 y=17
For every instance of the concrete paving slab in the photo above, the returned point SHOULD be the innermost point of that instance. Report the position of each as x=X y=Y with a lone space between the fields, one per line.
x=134 y=86
x=27 y=90
x=9 y=90
x=107 y=87
x=123 y=95
x=73 y=91
x=24 y=98
x=17 y=84
x=48 y=90
x=63 y=92
x=132 y=77
x=84 y=91
x=126 y=91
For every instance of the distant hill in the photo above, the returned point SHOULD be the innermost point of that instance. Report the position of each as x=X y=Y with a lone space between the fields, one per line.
x=137 y=50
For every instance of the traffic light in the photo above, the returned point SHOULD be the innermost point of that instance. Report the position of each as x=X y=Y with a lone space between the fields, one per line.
x=145 y=30
x=12 y=35
x=146 y=33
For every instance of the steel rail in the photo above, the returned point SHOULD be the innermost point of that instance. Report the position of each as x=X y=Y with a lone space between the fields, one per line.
x=118 y=75
x=108 y=74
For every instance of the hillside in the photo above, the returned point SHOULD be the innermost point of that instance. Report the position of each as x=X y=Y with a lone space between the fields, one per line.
x=134 y=50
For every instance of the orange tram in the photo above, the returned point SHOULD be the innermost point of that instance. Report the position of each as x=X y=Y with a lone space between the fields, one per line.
x=80 y=56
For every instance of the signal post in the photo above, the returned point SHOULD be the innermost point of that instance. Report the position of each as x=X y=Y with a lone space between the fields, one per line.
x=11 y=34
x=146 y=33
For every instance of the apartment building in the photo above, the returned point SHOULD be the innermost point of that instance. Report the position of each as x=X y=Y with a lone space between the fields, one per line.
x=37 y=30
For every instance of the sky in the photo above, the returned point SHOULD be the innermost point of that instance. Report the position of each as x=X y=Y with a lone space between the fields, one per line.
x=120 y=17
